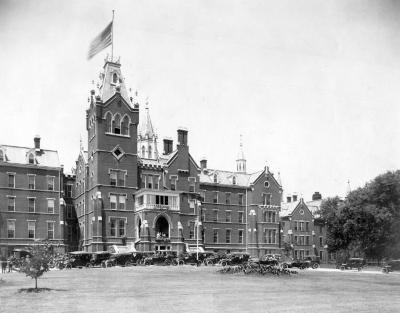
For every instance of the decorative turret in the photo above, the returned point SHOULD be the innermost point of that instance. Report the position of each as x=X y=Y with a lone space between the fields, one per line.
x=241 y=160
x=112 y=81
x=147 y=138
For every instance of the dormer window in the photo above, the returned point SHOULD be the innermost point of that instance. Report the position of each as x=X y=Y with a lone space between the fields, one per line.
x=1 y=156
x=31 y=159
x=234 y=180
x=115 y=78
x=215 y=178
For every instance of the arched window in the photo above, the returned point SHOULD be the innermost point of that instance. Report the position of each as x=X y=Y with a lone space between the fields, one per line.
x=143 y=151
x=150 y=152
x=234 y=180
x=215 y=178
x=1 y=156
x=125 y=125
x=108 y=122
x=31 y=159
x=117 y=124
x=115 y=78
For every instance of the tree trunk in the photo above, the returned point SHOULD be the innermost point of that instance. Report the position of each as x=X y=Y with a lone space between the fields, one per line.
x=36 y=283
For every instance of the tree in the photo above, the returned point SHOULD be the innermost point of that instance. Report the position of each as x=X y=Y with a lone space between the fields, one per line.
x=368 y=220
x=38 y=263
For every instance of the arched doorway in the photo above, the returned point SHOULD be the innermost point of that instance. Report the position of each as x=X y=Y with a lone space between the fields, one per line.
x=162 y=227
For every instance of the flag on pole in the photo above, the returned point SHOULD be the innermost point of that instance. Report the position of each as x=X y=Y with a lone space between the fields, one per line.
x=102 y=41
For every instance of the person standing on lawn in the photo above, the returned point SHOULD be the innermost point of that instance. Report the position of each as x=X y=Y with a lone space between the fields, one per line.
x=3 y=262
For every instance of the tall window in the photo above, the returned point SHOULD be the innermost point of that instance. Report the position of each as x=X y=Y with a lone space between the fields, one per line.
x=117 y=124
x=50 y=230
x=191 y=230
x=215 y=235
x=10 y=228
x=215 y=197
x=31 y=205
x=192 y=184
x=125 y=126
x=113 y=202
x=150 y=182
x=11 y=204
x=122 y=199
x=301 y=226
x=121 y=228
x=117 y=178
x=228 y=198
x=31 y=181
x=240 y=199
x=31 y=229
x=307 y=226
x=240 y=236
x=50 y=205
x=121 y=178
x=173 y=182
x=150 y=153
x=11 y=180
x=156 y=182
x=267 y=199
x=321 y=241
x=240 y=217
x=50 y=182
x=113 y=227
x=68 y=190
x=108 y=122
x=117 y=227
x=69 y=211
x=215 y=215
x=143 y=152
x=228 y=216
x=228 y=236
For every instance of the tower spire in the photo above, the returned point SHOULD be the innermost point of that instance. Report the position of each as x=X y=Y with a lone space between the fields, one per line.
x=348 y=189
x=241 y=160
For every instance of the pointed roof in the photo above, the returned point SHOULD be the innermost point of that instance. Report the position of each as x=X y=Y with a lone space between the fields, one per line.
x=226 y=177
x=146 y=126
x=111 y=81
x=240 y=155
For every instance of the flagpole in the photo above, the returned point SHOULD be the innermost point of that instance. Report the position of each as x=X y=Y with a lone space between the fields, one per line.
x=112 y=37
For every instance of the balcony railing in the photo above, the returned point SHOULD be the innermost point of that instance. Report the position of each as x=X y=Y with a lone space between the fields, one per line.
x=164 y=207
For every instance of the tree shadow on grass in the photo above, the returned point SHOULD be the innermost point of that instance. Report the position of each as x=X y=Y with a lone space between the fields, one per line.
x=38 y=290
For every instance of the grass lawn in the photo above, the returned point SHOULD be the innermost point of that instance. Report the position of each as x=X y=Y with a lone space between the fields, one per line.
x=192 y=289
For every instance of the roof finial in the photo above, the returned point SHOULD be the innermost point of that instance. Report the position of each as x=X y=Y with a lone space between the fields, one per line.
x=241 y=141
x=147 y=103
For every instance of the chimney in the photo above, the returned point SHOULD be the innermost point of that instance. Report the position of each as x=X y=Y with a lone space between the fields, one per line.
x=288 y=199
x=316 y=196
x=36 y=139
x=167 y=145
x=294 y=198
x=182 y=136
x=203 y=163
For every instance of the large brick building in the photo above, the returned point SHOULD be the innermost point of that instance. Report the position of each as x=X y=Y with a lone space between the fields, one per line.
x=123 y=191
x=30 y=204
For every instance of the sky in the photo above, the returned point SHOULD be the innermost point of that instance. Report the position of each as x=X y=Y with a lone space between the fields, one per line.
x=312 y=86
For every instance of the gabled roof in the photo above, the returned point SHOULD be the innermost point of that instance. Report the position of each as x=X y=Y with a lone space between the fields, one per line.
x=226 y=177
x=20 y=155
x=287 y=208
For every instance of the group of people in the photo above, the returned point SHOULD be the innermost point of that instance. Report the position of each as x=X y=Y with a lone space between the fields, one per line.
x=6 y=265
